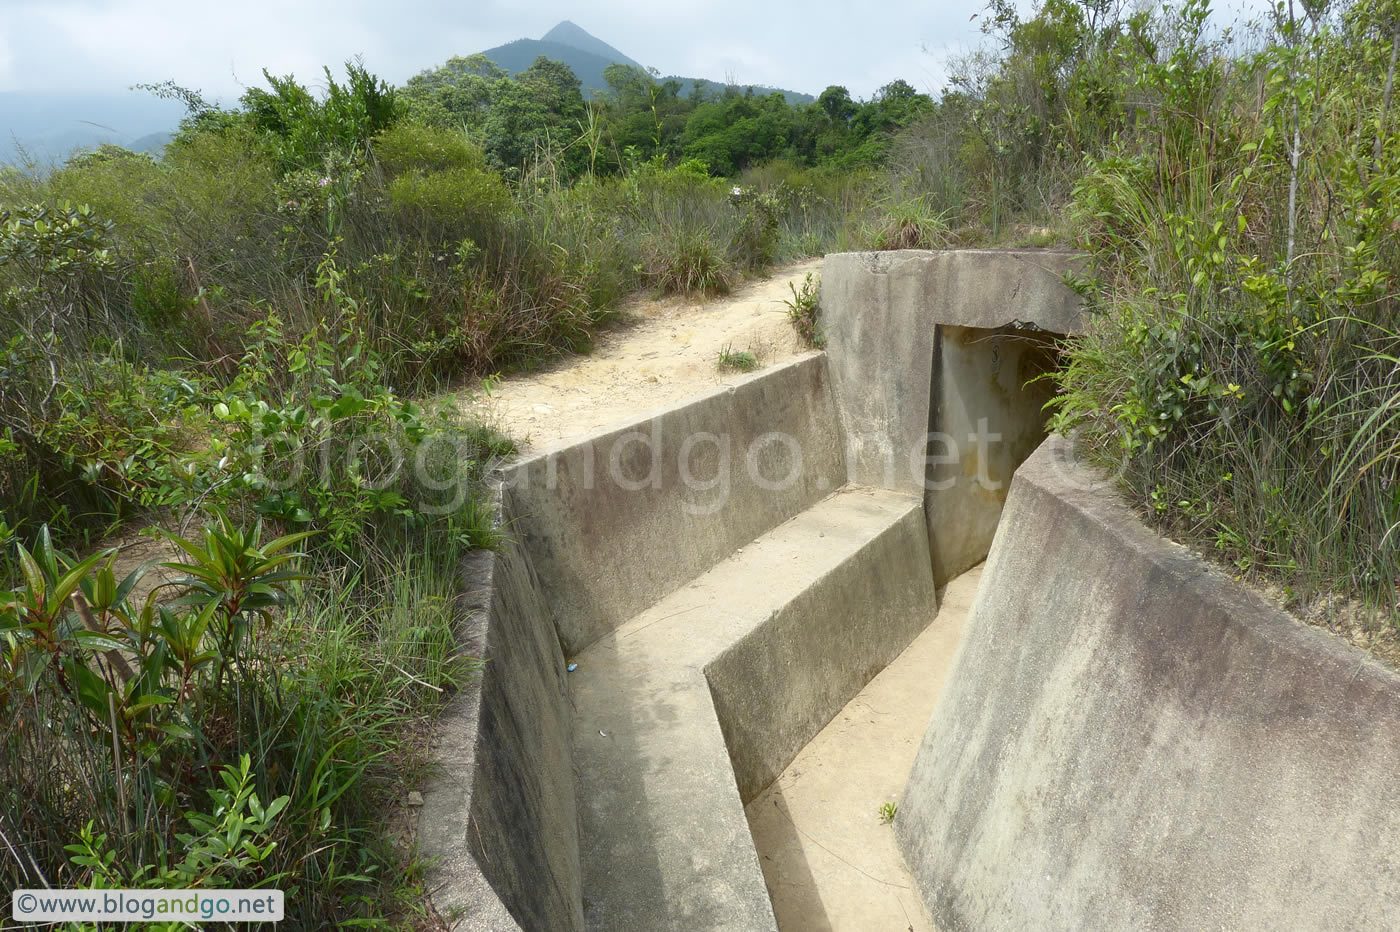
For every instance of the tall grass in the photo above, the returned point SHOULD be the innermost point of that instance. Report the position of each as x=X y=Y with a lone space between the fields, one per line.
x=1241 y=366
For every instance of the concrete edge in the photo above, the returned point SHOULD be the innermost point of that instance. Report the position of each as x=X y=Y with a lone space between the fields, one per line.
x=981 y=287
x=757 y=691
x=601 y=516
x=501 y=762
x=1055 y=470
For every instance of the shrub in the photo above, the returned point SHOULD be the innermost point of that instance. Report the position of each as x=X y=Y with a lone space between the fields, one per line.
x=244 y=733
x=1244 y=297
x=100 y=446
x=300 y=130
x=411 y=145
x=755 y=242
x=59 y=261
x=687 y=261
x=804 y=310
x=121 y=186
x=454 y=199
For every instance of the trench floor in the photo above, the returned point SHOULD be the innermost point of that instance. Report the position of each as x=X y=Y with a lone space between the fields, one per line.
x=829 y=860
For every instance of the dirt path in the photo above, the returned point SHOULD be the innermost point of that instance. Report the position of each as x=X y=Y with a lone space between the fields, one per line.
x=660 y=352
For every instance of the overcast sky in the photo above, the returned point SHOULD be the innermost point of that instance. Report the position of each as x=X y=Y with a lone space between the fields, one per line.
x=221 y=47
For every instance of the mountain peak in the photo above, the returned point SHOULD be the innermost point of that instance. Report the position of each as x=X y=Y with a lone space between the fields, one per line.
x=570 y=34
x=565 y=27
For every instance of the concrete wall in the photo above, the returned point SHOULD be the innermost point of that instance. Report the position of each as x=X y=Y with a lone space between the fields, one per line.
x=499 y=824
x=604 y=529
x=924 y=347
x=618 y=521
x=776 y=687
x=876 y=317
x=880 y=311
x=1130 y=740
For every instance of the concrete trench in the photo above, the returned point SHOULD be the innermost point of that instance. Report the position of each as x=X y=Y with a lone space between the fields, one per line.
x=725 y=575
x=735 y=582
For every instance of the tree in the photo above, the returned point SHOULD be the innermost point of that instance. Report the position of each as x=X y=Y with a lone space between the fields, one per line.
x=539 y=110
x=302 y=131
x=456 y=94
x=836 y=103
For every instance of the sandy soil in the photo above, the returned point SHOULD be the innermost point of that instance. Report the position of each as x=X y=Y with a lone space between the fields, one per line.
x=137 y=547
x=659 y=352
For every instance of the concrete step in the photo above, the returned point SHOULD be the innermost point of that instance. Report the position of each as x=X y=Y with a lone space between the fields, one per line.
x=693 y=706
x=616 y=521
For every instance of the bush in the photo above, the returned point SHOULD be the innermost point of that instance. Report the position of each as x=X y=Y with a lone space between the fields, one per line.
x=1244 y=310
x=245 y=733
x=755 y=242
x=460 y=200
x=100 y=446
x=687 y=261
x=411 y=145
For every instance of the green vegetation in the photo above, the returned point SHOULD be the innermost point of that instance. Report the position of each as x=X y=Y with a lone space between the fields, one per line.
x=588 y=58
x=1239 y=197
x=804 y=310
x=732 y=360
x=1242 y=367
x=250 y=728
x=887 y=813
x=538 y=116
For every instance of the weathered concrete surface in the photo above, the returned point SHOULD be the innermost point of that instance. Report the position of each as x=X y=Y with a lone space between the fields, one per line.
x=988 y=420
x=879 y=314
x=777 y=686
x=1130 y=740
x=875 y=315
x=620 y=520
x=830 y=861
x=499 y=824
x=665 y=845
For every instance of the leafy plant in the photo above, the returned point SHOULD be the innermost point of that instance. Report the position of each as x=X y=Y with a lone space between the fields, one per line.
x=804 y=310
x=223 y=847
x=121 y=715
x=1243 y=304
x=755 y=242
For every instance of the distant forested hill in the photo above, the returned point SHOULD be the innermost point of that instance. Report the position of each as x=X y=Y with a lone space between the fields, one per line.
x=515 y=57
x=587 y=56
